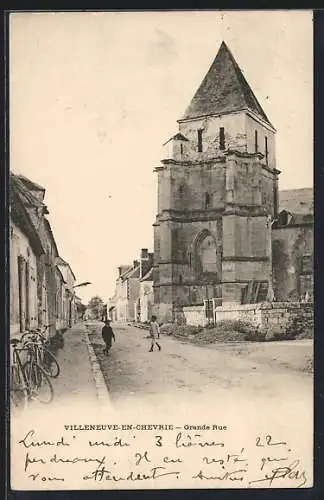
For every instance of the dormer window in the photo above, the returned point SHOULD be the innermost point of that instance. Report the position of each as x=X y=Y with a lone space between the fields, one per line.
x=222 y=138
x=199 y=139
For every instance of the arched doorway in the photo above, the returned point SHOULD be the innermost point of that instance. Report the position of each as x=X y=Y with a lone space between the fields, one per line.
x=205 y=255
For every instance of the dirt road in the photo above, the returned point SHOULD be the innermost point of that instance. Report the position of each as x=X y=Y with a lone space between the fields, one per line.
x=183 y=373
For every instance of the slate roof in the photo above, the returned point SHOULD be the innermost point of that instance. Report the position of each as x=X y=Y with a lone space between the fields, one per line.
x=297 y=201
x=62 y=262
x=60 y=273
x=20 y=199
x=223 y=90
x=133 y=272
x=25 y=194
x=148 y=276
x=177 y=137
x=31 y=184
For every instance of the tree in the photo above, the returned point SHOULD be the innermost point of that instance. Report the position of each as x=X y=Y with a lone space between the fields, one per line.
x=95 y=307
x=81 y=309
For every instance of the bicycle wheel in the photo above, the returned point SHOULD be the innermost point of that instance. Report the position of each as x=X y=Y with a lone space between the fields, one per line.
x=39 y=385
x=18 y=391
x=51 y=365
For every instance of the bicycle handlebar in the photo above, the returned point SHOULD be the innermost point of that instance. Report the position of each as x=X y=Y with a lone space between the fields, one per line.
x=33 y=333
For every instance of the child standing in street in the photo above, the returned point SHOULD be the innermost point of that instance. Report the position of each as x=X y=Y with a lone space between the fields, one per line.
x=107 y=335
x=154 y=334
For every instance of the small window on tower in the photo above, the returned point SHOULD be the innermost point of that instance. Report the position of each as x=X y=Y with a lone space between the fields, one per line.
x=181 y=190
x=181 y=149
x=180 y=279
x=200 y=145
x=222 y=138
x=207 y=200
x=266 y=148
x=256 y=141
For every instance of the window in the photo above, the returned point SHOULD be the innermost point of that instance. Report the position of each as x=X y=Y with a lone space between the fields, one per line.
x=256 y=141
x=181 y=148
x=307 y=264
x=180 y=279
x=181 y=190
x=207 y=254
x=266 y=148
x=207 y=200
x=200 y=145
x=222 y=138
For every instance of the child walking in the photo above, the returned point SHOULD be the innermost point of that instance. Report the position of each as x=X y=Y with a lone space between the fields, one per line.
x=154 y=334
x=107 y=335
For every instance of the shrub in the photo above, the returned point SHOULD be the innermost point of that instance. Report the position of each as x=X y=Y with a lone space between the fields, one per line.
x=167 y=328
x=180 y=330
x=301 y=326
x=250 y=331
x=256 y=335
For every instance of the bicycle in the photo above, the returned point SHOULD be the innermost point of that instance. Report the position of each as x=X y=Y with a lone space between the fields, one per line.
x=36 y=341
x=29 y=381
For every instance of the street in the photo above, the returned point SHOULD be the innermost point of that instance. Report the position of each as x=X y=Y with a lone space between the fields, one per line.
x=186 y=386
x=183 y=373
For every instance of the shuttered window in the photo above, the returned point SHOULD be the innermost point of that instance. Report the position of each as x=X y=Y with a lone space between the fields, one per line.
x=222 y=138
x=21 y=289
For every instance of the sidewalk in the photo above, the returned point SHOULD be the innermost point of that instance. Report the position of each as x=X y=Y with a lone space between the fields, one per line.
x=76 y=380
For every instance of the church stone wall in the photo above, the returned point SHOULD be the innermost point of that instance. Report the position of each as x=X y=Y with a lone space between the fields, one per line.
x=189 y=185
x=263 y=131
x=235 y=135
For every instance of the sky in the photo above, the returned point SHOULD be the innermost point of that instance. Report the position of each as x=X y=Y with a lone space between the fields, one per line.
x=94 y=95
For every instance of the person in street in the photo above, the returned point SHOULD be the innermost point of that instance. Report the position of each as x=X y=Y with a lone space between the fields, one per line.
x=154 y=334
x=107 y=335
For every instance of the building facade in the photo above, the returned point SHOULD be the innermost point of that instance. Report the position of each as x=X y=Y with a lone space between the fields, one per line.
x=293 y=247
x=23 y=283
x=69 y=304
x=37 y=286
x=127 y=296
x=217 y=198
x=146 y=299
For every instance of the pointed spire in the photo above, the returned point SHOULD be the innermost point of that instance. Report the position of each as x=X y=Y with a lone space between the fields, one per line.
x=223 y=90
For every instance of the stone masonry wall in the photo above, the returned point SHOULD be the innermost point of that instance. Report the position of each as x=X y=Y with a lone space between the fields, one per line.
x=270 y=317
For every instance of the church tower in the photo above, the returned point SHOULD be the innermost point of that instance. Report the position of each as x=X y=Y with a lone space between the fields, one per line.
x=217 y=189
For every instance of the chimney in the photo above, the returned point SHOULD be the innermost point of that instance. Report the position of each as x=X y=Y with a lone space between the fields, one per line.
x=144 y=253
x=146 y=262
